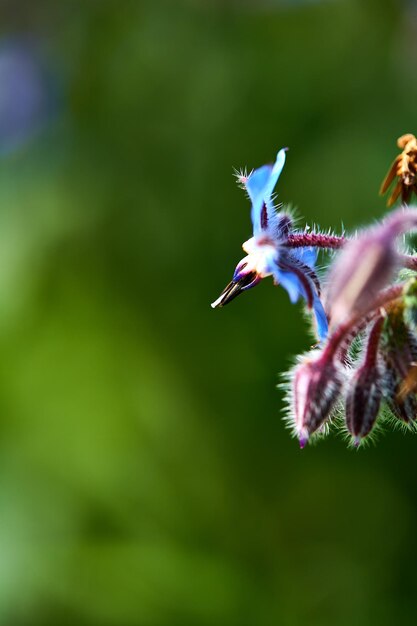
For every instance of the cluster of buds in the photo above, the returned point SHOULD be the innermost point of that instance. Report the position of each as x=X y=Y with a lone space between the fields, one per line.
x=363 y=367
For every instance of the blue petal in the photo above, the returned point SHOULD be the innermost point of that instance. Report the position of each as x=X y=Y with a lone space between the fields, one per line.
x=257 y=183
x=260 y=186
x=295 y=289
x=321 y=318
x=275 y=174
x=308 y=256
x=291 y=283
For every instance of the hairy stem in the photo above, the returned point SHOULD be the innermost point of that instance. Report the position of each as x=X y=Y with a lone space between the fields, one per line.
x=335 y=242
x=350 y=326
x=317 y=240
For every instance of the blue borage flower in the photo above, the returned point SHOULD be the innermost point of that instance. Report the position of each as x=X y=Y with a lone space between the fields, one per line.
x=365 y=367
x=267 y=251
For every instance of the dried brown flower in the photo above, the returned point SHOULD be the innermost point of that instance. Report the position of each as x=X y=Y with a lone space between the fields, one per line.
x=404 y=169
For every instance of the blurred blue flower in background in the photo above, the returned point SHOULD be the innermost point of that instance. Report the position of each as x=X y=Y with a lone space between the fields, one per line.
x=26 y=95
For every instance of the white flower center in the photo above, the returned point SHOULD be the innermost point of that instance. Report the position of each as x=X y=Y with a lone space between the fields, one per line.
x=261 y=251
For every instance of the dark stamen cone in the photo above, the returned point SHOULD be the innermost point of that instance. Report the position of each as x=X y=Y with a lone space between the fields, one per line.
x=234 y=289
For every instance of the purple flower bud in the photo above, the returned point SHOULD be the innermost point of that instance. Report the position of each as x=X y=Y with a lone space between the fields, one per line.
x=363 y=399
x=317 y=384
x=410 y=303
x=403 y=406
x=398 y=355
x=398 y=344
x=365 y=266
x=405 y=409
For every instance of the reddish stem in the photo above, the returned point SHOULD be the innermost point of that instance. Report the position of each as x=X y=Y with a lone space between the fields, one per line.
x=373 y=342
x=348 y=328
x=335 y=242
x=317 y=240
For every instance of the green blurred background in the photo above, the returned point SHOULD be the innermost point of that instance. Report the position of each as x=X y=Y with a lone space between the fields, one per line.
x=146 y=475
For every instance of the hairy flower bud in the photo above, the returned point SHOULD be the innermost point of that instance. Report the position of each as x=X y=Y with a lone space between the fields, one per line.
x=410 y=303
x=316 y=387
x=403 y=405
x=363 y=402
x=398 y=354
x=398 y=343
x=365 y=266
x=363 y=398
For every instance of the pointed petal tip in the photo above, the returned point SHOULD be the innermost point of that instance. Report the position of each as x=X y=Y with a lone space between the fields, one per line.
x=217 y=303
x=303 y=440
x=357 y=442
x=281 y=155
